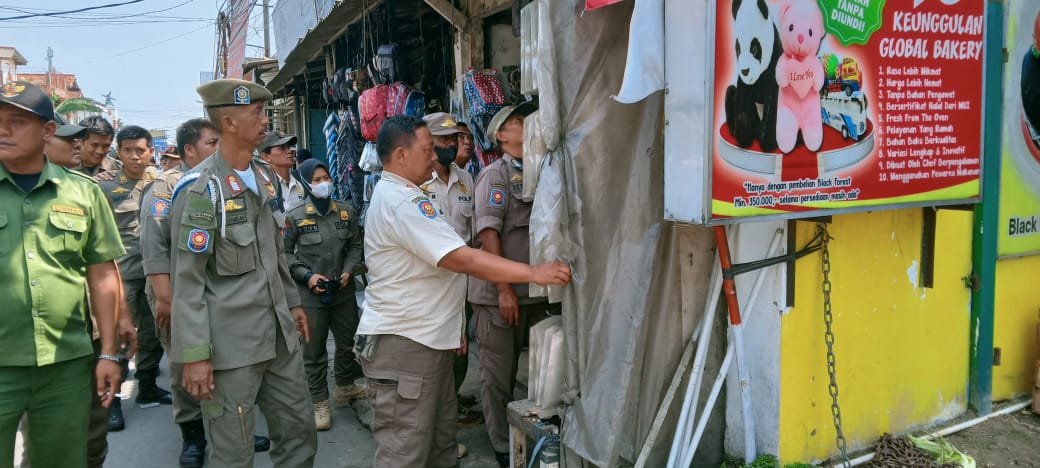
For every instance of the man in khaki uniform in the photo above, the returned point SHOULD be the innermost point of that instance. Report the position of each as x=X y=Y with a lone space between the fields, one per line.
x=235 y=306
x=65 y=150
x=413 y=319
x=275 y=150
x=123 y=193
x=503 y=310
x=96 y=146
x=196 y=139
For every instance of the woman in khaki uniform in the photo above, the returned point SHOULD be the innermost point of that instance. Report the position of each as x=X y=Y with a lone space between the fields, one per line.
x=324 y=248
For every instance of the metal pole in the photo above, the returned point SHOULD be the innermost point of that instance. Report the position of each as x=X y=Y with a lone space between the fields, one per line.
x=730 y=289
x=986 y=228
x=267 y=29
x=50 y=66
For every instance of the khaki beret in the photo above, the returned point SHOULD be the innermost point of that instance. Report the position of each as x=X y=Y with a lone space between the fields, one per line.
x=232 y=92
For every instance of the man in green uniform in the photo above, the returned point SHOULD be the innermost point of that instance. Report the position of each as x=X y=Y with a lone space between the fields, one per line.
x=96 y=147
x=124 y=192
x=234 y=303
x=58 y=239
x=196 y=140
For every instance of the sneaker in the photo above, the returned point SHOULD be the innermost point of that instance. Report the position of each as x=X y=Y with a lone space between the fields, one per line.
x=116 y=422
x=193 y=454
x=347 y=393
x=149 y=397
x=322 y=416
x=470 y=418
x=463 y=451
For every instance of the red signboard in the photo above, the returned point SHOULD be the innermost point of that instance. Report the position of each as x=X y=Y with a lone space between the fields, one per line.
x=845 y=105
x=239 y=11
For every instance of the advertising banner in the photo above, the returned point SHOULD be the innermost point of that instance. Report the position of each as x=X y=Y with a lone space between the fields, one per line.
x=1020 y=166
x=842 y=105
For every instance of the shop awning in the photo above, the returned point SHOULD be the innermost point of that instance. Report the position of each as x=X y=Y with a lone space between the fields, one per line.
x=328 y=29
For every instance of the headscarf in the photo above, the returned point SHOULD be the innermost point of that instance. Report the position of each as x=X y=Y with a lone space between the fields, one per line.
x=306 y=173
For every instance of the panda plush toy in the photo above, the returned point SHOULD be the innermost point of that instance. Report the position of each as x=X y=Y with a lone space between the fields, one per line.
x=751 y=103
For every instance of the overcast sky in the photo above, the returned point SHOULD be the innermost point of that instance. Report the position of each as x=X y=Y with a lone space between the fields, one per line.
x=149 y=59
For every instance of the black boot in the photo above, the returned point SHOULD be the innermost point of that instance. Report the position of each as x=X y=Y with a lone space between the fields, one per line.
x=193 y=451
x=148 y=393
x=116 y=422
x=261 y=444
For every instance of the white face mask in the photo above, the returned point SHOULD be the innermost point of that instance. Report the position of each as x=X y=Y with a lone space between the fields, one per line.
x=321 y=190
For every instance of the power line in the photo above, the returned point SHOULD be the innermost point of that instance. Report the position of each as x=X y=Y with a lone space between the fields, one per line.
x=140 y=48
x=66 y=12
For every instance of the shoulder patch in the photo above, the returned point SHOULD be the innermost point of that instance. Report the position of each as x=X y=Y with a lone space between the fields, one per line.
x=160 y=207
x=426 y=208
x=198 y=240
x=497 y=197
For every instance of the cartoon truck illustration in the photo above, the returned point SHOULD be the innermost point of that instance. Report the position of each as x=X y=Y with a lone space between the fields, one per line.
x=843 y=77
x=846 y=114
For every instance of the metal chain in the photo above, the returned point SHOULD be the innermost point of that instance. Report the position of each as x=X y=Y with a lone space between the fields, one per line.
x=828 y=319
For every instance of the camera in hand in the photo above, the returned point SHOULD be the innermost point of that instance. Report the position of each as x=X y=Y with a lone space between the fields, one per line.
x=330 y=286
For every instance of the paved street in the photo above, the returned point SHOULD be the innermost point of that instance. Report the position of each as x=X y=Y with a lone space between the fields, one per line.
x=151 y=439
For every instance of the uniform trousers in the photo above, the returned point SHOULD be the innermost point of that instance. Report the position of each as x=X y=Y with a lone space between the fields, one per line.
x=279 y=388
x=462 y=360
x=414 y=406
x=58 y=407
x=97 y=430
x=185 y=407
x=149 y=349
x=500 y=346
x=342 y=319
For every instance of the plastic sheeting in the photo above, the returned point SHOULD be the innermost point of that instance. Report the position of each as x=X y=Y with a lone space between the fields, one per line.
x=639 y=282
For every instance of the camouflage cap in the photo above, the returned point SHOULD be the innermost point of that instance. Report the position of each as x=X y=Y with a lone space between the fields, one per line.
x=442 y=124
x=232 y=92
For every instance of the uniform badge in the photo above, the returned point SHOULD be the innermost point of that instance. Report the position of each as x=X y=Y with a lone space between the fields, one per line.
x=344 y=215
x=306 y=222
x=232 y=182
x=241 y=95
x=160 y=207
x=309 y=209
x=122 y=178
x=120 y=190
x=233 y=205
x=426 y=209
x=270 y=189
x=498 y=197
x=462 y=188
x=198 y=240
x=450 y=122
x=12 y=89
x=67 y=209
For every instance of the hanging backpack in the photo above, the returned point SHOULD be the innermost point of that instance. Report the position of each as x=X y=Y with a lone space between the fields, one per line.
x=404 y=99
x=387 y=64
x=327 y=95
x=483 y=92
x=373 y=109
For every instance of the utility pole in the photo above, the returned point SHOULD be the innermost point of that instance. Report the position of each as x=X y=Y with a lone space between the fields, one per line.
x=50 y=66
x=267 y=29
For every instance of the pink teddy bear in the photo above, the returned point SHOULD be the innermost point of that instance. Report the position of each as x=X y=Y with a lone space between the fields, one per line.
x=799 y=74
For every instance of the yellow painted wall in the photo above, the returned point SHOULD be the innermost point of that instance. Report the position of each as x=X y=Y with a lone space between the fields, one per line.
x=1014 y=326
x=902 y=351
